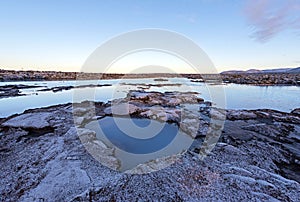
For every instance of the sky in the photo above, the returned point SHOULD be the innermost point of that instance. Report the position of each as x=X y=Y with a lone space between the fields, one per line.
x=60 y=35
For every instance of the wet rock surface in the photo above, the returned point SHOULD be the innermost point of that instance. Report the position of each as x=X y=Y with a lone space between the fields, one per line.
x=256 y=159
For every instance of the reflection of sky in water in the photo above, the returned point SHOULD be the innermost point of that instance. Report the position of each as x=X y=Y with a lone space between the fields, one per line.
x=165 y=142
x=284 y=98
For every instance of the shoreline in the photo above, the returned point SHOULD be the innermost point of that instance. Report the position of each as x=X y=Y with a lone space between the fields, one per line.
x=237 y=78
x=35 y=91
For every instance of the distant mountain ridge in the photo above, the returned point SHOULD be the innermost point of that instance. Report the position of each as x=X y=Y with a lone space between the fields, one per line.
x=252 y=71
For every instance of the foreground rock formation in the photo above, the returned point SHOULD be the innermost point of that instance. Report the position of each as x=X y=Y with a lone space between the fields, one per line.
x=44 y=157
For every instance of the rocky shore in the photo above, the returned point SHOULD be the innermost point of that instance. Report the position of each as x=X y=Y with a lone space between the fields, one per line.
x=44 y=155
x=263 y=78
x=238 y=78
x=15 y=90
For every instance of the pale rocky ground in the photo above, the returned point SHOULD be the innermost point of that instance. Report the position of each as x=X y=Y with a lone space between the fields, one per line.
x=45 y=157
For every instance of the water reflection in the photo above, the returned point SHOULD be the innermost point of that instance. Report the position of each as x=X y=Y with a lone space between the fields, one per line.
x=283 y=98
x=134 y=151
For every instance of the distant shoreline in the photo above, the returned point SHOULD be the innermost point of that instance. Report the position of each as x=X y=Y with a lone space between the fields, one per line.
x=237 y=78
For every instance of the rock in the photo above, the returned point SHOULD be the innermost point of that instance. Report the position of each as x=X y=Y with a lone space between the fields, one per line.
x=154 y=165
x=61 y=88
x=102 y=153
x=296 y=111
x=77 y=111
x=69 y=179
x=241 y=136
x=167 y=99
x=241 y=179
x=261 y=78
x=14 y=90
x=255 y=158
x=162 y=114
x=86 y=135
x=161 y=79
x=286 y=118
x=190 y=126
x=37 y=120
x=79 y=120
x=122 y=109
x=265 y=184
x=217 y=114
x=240 y=115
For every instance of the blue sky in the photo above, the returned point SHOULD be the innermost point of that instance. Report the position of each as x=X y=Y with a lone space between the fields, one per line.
x=236 y=34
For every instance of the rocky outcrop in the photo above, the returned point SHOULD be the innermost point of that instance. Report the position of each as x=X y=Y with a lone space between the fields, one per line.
x=121 y=109
x=240 y=115
x=263 y=78
x=256 y=158
x=37 y=120
x=97 y=148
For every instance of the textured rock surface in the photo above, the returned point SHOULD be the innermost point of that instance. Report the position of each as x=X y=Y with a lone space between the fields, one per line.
x=37 y=120
x=296 y=111
x=257 y=159
x=121 y=109
x=263 y=78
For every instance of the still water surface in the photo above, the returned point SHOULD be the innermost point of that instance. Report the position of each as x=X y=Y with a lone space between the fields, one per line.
x=283 y=98
x=140 y=145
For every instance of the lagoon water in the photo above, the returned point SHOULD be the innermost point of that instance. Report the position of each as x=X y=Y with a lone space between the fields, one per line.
x=283 y=98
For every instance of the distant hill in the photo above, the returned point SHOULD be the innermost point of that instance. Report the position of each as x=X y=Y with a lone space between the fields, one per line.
x=295 y=70
x=233 y=72
x=251 y=71
x=280 y=70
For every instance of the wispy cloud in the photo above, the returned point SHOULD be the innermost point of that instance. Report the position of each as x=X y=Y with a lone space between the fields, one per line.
x=270 y=17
